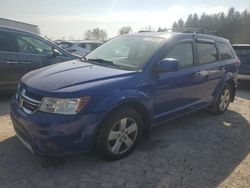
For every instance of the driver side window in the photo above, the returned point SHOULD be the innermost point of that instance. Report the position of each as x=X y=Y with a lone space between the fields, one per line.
x=31 y=45
x=183 y=52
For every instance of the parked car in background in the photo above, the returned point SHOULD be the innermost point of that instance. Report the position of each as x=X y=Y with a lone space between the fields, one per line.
x=122 y=89
x=80 y=48
x=243 y=52
x=21 y=52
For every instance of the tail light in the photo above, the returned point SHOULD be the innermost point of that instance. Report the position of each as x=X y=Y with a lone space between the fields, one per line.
x=237 y=63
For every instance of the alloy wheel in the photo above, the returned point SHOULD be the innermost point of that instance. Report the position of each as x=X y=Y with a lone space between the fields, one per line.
x=122 y=135
x=224 y=99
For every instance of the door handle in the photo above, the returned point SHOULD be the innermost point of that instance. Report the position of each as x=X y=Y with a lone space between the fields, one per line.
x=12 y=62
x=25 y=62
x=201 y=74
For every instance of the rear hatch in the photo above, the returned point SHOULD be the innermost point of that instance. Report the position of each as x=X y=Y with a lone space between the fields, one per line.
x=243 y=52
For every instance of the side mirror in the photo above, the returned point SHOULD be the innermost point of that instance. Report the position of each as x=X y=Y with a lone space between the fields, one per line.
x=56 y=53
x=167 y=65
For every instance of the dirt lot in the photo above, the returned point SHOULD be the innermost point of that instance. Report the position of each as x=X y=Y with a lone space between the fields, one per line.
x=198 y=150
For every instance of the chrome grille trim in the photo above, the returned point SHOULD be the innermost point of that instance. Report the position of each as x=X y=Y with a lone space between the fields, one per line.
x=27 y=104
x=30 y=99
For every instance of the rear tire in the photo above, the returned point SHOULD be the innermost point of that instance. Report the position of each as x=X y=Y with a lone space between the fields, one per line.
x=120 y=134
x=223 y=100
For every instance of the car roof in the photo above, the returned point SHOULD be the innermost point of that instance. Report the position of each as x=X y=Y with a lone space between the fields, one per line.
x=3 y=28
x=168 y=35
x=81 y=41
x=242 y=45
x=88 y=41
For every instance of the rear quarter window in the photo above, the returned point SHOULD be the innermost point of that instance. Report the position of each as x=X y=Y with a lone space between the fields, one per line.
x=225 y=51
x=207 y=52
x=65 y=45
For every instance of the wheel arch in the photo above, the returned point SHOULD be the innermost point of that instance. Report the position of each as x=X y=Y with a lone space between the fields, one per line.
x=139 y=107
x=142 y=110
x=232 y=83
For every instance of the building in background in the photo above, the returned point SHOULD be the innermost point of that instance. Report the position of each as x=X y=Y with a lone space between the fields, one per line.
x=20 y=25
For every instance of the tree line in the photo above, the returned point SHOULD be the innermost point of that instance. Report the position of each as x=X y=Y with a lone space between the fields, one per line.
x=233 y=25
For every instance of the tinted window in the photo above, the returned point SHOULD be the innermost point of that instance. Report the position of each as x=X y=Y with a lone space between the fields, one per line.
x=242 y=50
x=27 y=44
x=65 y=44
x=225 y=51
x=89 y=46
x=184 y=53
x=83 y=45
x=94 y=45
x=207 y=53
x=5 y=43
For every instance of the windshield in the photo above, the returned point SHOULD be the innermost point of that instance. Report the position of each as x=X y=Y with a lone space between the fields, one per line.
x=130 y=52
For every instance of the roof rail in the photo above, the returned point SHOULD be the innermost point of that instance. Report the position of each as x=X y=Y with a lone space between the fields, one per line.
x=190 y=30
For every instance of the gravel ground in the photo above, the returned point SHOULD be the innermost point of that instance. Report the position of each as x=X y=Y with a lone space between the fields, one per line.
x=198 y=150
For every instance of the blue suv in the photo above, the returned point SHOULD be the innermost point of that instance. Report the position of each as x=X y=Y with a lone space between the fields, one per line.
x=122 y=89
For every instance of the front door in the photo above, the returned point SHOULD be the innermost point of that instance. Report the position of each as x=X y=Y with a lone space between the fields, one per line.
x=177 y=91
x=9 y=65
x=33 y=53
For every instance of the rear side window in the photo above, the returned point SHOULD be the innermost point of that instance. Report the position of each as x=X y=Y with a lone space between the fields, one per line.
x=94 y=45
x=183 y=52
x=65 y=44
x=5 y=43
x=89 y=46
x=225 y=51
x=83 y=45
x=207 y=53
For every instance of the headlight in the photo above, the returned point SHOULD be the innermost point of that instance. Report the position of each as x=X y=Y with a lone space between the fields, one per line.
x=17 y=91
x=63 y=106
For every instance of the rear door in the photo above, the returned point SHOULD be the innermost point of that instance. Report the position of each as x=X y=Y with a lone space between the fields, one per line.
x=9 y=65
x=33 y=53
x=211 y=69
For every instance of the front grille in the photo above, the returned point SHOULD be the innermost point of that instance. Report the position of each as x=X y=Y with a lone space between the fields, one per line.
x=33 y=95
x=28 y=101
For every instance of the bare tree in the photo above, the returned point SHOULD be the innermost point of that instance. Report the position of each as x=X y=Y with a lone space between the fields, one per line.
x=147 y=28
x=125 y=30
x=96 y=34
x=88 y=35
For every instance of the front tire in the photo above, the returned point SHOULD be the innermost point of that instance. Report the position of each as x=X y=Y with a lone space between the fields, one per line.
x=120 y=133
x=223 y=101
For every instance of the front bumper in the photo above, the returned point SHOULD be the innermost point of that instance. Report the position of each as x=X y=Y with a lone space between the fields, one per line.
x=52 y=134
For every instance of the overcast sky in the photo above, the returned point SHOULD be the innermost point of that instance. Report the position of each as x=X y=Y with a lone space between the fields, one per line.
x=65 y=18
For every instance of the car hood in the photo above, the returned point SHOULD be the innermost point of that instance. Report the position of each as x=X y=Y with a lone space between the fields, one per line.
x=71 y=74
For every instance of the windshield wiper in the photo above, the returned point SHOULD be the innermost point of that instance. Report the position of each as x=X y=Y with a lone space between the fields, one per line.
x=83 y=59
x=103 y=61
